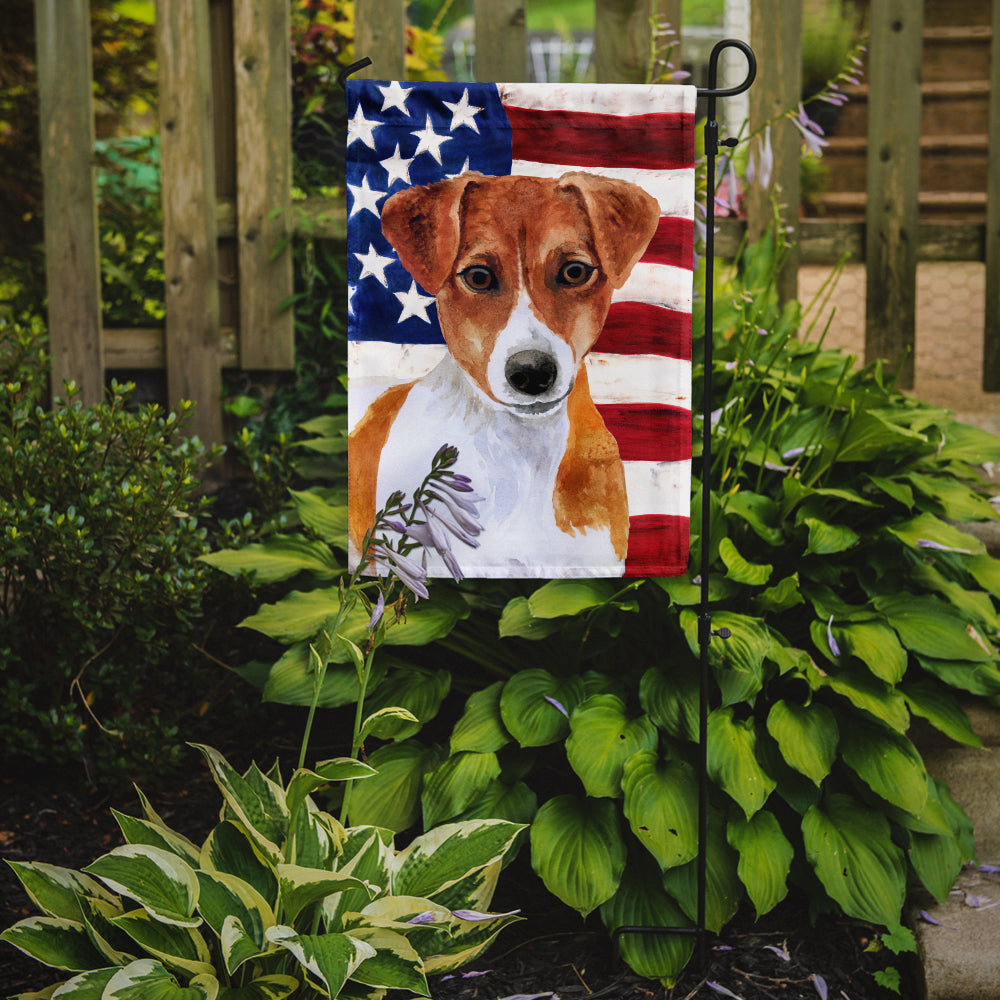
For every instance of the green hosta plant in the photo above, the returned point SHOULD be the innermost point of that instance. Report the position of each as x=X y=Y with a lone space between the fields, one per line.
x=279 y=900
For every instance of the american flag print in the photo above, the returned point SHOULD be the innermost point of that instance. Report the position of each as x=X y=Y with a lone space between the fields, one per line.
x=403 y=134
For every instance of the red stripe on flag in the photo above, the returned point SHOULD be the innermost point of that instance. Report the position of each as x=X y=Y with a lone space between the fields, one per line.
x=641 y=328
x=672 y=243
x=584 y=139
x=649 y=432
x=657 y=545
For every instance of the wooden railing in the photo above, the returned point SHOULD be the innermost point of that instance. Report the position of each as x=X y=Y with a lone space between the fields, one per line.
x=226 y=156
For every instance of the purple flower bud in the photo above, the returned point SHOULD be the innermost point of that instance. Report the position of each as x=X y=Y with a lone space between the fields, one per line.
x=558 y=705
x=427 y=917
x=820 y=983
x=377 y=612
x=834 y=648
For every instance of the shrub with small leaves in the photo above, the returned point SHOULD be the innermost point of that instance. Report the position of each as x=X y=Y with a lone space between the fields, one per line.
x=100 y=579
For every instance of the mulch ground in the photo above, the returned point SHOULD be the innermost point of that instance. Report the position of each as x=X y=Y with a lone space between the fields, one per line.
x=551 y=952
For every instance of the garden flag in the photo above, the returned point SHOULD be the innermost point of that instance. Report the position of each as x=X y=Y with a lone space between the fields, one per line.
x=519 y=287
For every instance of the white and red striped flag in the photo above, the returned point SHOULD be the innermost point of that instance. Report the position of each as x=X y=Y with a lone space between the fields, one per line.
x=639 y=369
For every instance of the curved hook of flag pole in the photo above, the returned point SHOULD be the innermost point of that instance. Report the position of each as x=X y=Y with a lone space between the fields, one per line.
x=352 y=68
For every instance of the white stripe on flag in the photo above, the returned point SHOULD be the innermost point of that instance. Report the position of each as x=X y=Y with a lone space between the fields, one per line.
x=657 y=284
x=673 y=189
x=659 y=487
x=639 y=378
x=605 y=99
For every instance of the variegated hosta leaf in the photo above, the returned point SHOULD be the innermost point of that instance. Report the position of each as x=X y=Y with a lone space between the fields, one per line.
x=475 y=891
x=300 y=887
x=275 y=987
x=86 y=986
x=602 y=737
x=642 y=902
x=315 y=838
x=765 y=858
x=329 y=959
x=225 y=897
x=732 y=760
x=177 y=947
x=468 y=939
x=395 y=964
x=141 y=831
x=535 y=706
x=367 y=853
x=230 y=849
x=661 y=799
x=850 y=847
x=807 y=736
x=147 y=979
x=578 y=851
x=56 y=891
x=304 y=782
x=256 y=801
x=456 y=784
x=158 y=880
x=481 y=727
x=441 y=857
x=116 y=946
x=54 y=941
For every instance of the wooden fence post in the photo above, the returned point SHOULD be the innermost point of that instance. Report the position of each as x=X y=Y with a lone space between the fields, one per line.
x=893 y=183
x=190 y=251
x=72 y=255
x=991 y=332
x=622 y=40
x=501 y=41
x=776 y=35
x=262 y=60
x=380 y=34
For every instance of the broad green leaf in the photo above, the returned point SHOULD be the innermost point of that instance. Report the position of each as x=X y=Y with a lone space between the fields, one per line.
x=738 y=661
x=850 y=848
x=395 y=964
x=274 y=987
x=640 y=901
x=965 y=443
x=876 y=646
x=180 y=948
x=56 y=891
x=765 y=858
x=739 y=569
x=941 y=709
x=957 y=501
x=827 y=539
x=976 y=605
x=661 y=799
x=931 y=628
x=516 y=803
x=559 y=598
x=732 y=760
x=684 y=593
x=230 y=849
x=262 y=812
x=330 y=959
x=391 y=798
x=225 y=897
x=301 y=887
x=142 y=831
x=671 y=699
x=937 y=857
x=279 y=558
x=602 y=737
x=535 y=706
x=893 y=488
x=976 y=678
x=783 y=595
x=292 y=681
x=418 y=690
x=517 y=620
x=578 y=851
x=147 y=979
x=807 y=736
x=327 y=520
x=456 y=784
x=54 y=941
x=723 y=889
x=986 y=571
x=866 y=692
x=481 y=728
x=888 y=763
x=438 y=859
x=758 y=511
x=870 y=435
x=928 y=528
x=163 y=884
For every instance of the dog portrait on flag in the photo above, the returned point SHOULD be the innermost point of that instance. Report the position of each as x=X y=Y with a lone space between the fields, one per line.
x=519 y=271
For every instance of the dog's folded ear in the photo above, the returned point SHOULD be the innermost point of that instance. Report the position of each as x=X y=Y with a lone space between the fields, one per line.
x=421 y=223
x=624 y=219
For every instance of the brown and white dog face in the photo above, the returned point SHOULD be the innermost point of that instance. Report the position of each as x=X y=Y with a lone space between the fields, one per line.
x=523 y=269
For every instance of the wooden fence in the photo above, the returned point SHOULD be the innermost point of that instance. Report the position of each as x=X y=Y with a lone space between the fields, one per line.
x=226 y=160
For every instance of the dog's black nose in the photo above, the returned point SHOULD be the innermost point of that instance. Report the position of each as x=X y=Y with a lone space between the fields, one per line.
x=531 y=372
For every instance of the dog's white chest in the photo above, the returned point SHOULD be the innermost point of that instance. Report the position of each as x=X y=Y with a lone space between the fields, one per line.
x=512 y=461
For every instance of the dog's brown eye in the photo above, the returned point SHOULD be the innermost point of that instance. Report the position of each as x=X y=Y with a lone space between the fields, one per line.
x=574 y=273
x=479 y=278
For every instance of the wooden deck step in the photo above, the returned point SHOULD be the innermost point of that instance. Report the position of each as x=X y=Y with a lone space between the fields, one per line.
x=958 y=206
x=947 y=106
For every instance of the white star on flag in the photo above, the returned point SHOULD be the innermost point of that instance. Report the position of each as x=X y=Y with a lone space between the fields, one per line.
x=360 y=128
x=414 y=304
x=430 y=141
x=374 y=264
x=464 y=170
x=463 y=113
x=397 y=167
x=395 y=97
x=365 y=197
